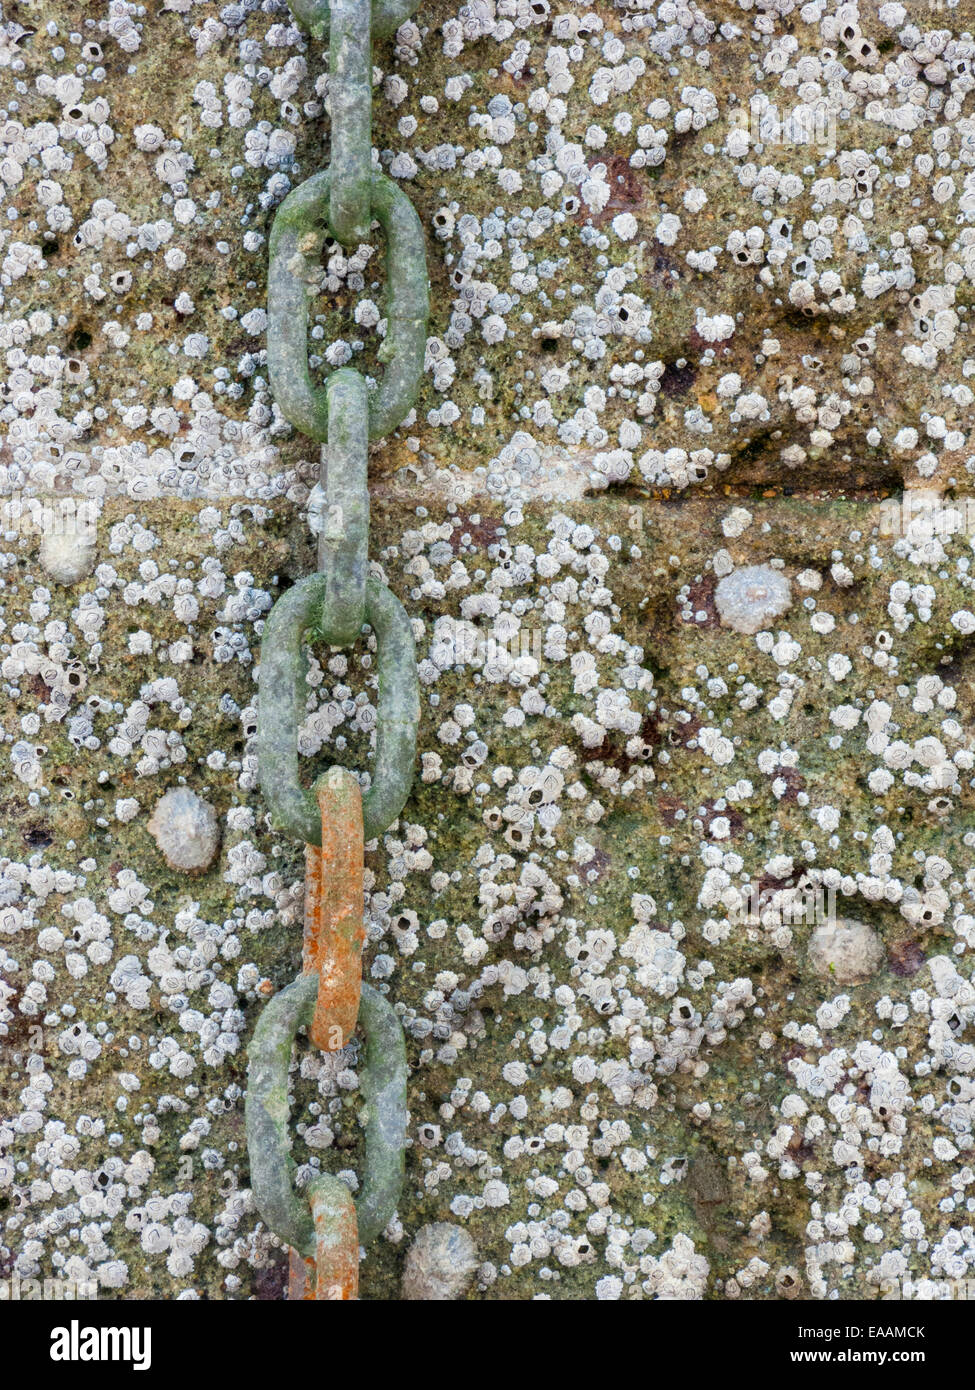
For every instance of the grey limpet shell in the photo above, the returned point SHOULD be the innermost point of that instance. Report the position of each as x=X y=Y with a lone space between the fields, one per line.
x=747 y=599
x=186 y=829
x=440 y=1263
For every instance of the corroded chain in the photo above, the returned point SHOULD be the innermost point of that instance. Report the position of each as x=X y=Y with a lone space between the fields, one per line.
x=325 y=1228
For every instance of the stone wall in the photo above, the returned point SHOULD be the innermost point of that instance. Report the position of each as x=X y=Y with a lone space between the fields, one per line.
x=680 y=912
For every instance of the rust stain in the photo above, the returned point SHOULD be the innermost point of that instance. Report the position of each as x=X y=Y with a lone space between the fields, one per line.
x=701 y=599
x=301 y=1277
x=627 y=191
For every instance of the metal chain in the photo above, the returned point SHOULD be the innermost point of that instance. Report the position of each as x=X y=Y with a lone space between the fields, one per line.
x=334 y=819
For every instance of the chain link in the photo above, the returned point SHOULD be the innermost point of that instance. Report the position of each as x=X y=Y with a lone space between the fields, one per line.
x=387 y=16
x=326 y=1227
x=335 y=928
x=350 y=103
x=343 y=535
x=382 y=1082
x=297 y=237
x=283 y=693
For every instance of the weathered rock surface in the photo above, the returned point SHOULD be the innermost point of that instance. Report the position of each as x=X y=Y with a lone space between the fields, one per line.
x=658 y=311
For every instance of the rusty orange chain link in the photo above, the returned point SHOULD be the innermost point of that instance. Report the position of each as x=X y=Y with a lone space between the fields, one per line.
x=326 y=1228
x=335 y=929
x=332 y=951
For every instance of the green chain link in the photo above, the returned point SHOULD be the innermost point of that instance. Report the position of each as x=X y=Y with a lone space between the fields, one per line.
x=283 y=693
x=350 y=100
x=387 y=16
x=343 y=534
x=383 y=1085
x=297 y=237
